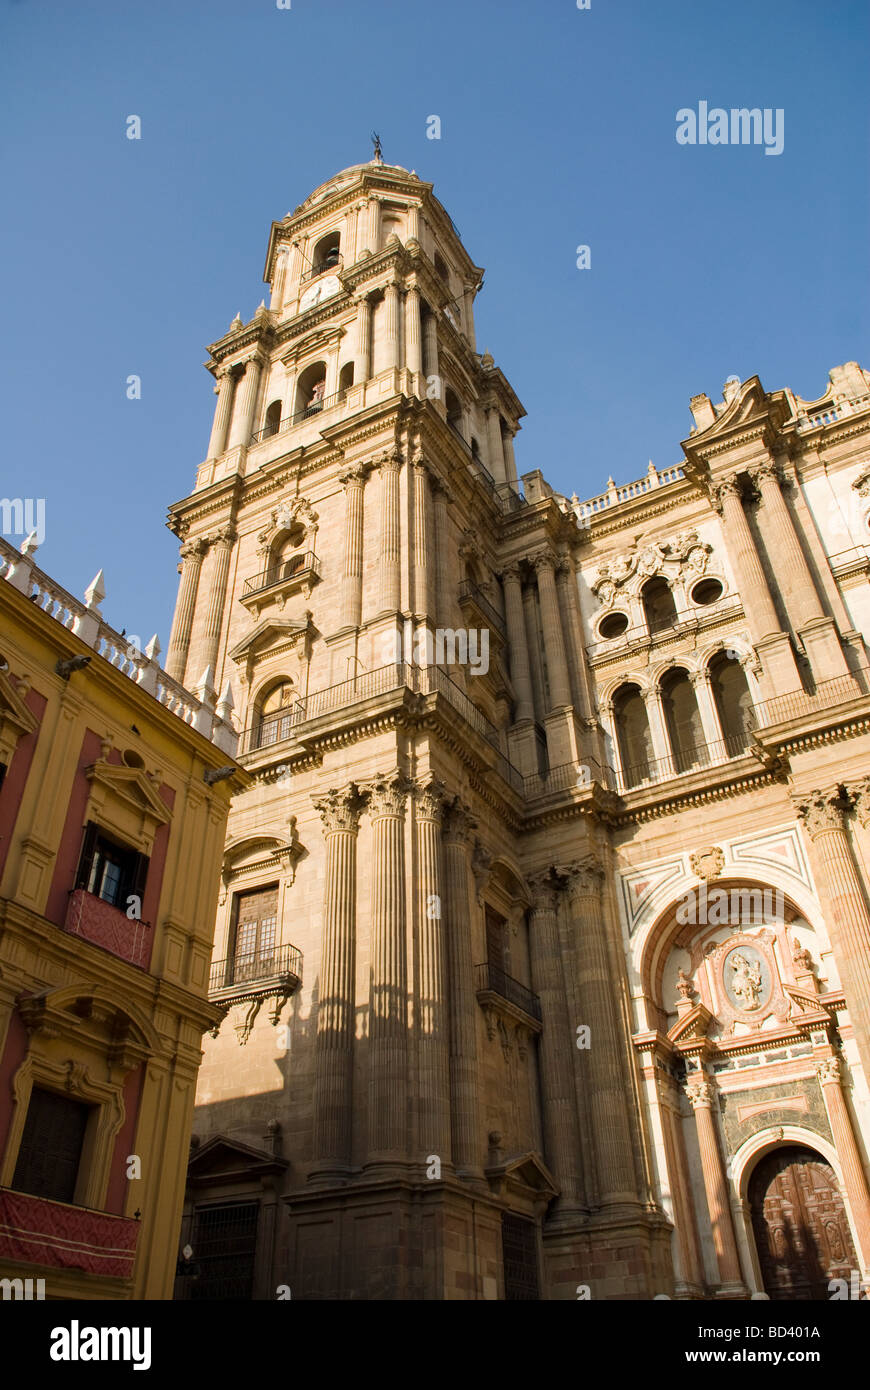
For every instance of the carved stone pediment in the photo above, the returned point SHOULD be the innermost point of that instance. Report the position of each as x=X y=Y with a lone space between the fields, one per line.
x=133 y=787
x=270 y=633
x=525 y=1174
x=16 y=719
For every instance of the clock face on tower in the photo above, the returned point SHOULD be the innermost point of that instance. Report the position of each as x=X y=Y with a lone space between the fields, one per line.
x=316 y=293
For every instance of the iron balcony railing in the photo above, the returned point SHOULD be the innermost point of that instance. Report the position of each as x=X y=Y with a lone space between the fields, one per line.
x=570 y=776
x=469 y=591
x=256 y=967
x=322 y=268
x=683 y=761
x=492 y=979
x=795 y=704
x=268 y=579
x=306 y=413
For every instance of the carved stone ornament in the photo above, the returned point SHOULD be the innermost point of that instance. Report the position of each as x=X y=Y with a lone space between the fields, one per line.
x=707 y=863
x=387 y=794
x=821 y=811
x=701 y=1092
x=684 y=985
x=340 y=809
x=829 y=1071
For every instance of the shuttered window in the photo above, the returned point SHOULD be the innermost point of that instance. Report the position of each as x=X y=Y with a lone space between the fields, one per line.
x=256 y=928
x=109 y=869
x=51 y=1146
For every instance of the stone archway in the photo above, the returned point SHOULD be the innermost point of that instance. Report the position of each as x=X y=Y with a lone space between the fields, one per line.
x=799 y=1223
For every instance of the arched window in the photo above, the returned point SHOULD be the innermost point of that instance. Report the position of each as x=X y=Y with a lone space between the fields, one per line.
x=454 y=410
x=326 y=254
x=658 y=605
x=275 y=713
x=632 y=735
x=287 y=557
x=345 y=378
x=733 y=702
x=683 y=721
x=310 y=389
x=273 y=420
x=441 y=269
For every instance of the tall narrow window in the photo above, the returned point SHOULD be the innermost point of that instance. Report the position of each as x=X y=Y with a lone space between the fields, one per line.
x=276 y=714
x=496 y=939
x=225 y=1247
x=683 y=721
x=658 y=605
x=733 y=702
x=255 y=931
x=110 y=870
x=519 y=1245
x=273 y=420
x=633 y=735
x=51 y=1146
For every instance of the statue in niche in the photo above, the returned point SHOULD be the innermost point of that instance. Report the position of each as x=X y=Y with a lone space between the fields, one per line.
x=745 y=980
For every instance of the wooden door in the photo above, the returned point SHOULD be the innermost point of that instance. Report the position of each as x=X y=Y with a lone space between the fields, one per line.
x=800 y=1225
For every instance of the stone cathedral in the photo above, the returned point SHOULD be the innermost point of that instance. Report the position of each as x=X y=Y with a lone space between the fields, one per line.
x=543 y=937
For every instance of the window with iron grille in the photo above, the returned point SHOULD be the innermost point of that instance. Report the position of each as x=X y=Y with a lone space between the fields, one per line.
x=225 y=1248
x=50 y=1154
x=255 y=930
x=519 y=1245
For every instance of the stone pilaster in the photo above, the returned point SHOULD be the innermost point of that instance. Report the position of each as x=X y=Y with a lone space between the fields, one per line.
x=185 y=607
x=772 y=644
x=422 y=541
x=333 y=1077
x=432 y=1020
x=569 y=605
x=391 y=324
x=363 y=353
x=495 y=451
x=829 y=1071
x=601 y=1064
x=558 y=1100
x=702 y=1096
x=796 y=583
x=519 y=651
x=846 y=914
x=444 y=587
x=430 y=347
x=281 y=258
x=246 y=400
x=388 y=1002
x=554 y=640
x=413 y=331
x=465 y=1123
x=222 y=549
x=391 y=536
x=353 y=480
x=225 y=389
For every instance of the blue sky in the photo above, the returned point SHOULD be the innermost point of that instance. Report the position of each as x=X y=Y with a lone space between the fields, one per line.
x=558 y=129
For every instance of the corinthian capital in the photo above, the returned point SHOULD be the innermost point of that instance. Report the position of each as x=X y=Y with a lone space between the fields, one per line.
x=340 y=809
x=861 y=800
x=387 y=794
x=821 y=811
x=544 y=890
x=701 y=1092
x=459 y=823
x=726 y=487
x=583 y=877
x=543 y=561
x=429 y=801
x=193 y=549
x=511 y=573
x=829 y=1071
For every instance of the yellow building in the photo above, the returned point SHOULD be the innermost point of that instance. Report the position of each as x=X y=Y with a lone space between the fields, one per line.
x=112 y=824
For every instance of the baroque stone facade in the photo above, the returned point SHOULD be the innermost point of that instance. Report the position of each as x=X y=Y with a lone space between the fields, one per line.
x=544 y=941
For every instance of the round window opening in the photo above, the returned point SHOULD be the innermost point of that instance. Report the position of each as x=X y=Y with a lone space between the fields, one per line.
x=132 y=759
x=614 y=625
x=708 y=591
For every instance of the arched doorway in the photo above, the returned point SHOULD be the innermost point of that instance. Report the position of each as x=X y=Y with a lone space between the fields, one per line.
x=799 y=1221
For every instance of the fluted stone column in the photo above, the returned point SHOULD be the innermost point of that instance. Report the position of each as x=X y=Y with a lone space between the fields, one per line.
x=444 y=594
x=430 y=346
x=533 y=647
x=519 y=651
x=391 y=536
x=413 y=222
x=707 y=712
x=353 y=480
x=829 y=1071
x=602 y=1072
x=363 y=353
x=413 y=331
x=225 y=389
x=554 y=640
x=558 y=1099
x=569 y=605
x=246 y=400
x=496 y=455
x=684 y=1216
x=388 y=1003
x=510 y=462
x=465 y=1123
x=432 y=1021
x=185 y=606
x=222 y=549
x=333 y=1075
x=767 y=635
x=468 y=302
x=373 y=226
x=391 y=324
x=795 y=579
x=279 y=281
x=702 y=1096
x=422 y=542
x=846 y=915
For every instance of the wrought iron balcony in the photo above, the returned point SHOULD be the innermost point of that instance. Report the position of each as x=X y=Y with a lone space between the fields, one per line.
x=306 y=413
x=274 y=970
x=308 y=569
x=683 y=761
x=798 y=704
x=492 y=981
x=104 y=925
x=470 y=593
x=57 y=1235
x=333 y=263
